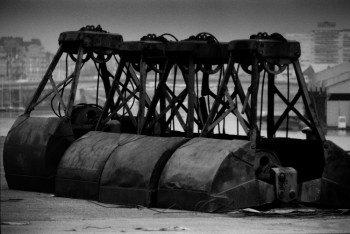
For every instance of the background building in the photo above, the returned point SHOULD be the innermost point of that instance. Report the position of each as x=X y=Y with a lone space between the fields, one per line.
x=22 y=60
x=325 y=61
x=331 y=91
x=325 y=45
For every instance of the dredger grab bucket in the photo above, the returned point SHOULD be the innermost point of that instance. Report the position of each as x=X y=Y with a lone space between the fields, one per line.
x=34 y=145
x=332 y=188
x=32 y=151
x=115 y=168
x=146 y=160
x=215 y=175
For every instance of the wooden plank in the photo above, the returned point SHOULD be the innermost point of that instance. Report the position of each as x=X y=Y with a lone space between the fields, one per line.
x=111 y=93
x=175 y=112
x=310 y=111
x=236 y=113
x=270 y=105
x=290 y=106
x=124 y=103
x=159 y=91
x=124 y=89
x=58 y=95
x=219 y=119
x=171 y=105
x=143 y=92
x=221 y=93
x=48 y=73
x=136 y=81
x=162 y=104
x=190 y=98
x=75 y=81
x=240 y=90
x=254 y=131
x=52 y=91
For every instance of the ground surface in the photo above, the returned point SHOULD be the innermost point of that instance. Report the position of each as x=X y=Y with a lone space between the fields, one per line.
x=31 y=212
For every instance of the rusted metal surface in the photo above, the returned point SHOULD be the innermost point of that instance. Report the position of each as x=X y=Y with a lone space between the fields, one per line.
x=75 y=80
x=332 y=188
x=114 y=168
x=81 y=166
x=286 y=183
x=145 y=163
x=35 y=145
x=132 y=171
x=32 y=151
x=90 y=38
x=274 y=51
x=212 y=175
x=44 y=80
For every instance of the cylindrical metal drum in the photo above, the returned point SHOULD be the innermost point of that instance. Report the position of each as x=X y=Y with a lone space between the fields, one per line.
x=32 y=151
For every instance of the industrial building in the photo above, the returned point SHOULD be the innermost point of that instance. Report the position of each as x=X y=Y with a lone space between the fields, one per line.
x=22 y=60
x=331 y=91
x=326 y=44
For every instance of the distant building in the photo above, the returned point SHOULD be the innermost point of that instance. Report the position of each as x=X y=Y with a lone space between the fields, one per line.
x=325 y=45
x=36 y=62
x=331 y=89
x=22 y=60
x=28 y=61
x=306 y=46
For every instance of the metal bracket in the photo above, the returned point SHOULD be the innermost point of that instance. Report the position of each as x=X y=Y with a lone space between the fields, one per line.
x=285 y=183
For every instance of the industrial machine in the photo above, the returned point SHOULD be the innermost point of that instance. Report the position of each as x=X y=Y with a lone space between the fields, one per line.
x=182 y=126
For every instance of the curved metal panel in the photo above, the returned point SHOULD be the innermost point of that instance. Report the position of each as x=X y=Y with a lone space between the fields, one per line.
x=333 y=187
x=132 y=172
x=210 y=175
x=80 y=169
x=32 y=150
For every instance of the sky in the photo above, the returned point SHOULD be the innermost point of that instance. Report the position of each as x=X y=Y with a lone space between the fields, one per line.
x=226 y=19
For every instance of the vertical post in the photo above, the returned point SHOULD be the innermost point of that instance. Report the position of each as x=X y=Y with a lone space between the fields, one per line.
x=162 y=100
x=109 y=101
x=191 y=96
x=43 y=82
x=221 y=92
x=270 y=105
x=160 y=91
x=104 y=75
x=141 y=111
x=254 y=132
x=58 y=95
x=75 y=81
x=310 y=111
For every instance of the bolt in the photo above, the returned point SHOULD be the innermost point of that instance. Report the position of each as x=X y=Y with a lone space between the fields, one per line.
x=253 y=146
x=292 y=194
x=282 y=177
x=280 y=194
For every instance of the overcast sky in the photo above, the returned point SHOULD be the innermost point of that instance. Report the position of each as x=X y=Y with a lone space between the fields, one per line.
x=226 y=19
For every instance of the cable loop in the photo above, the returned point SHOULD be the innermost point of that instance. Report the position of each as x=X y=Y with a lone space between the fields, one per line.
x=185 y=68
x=171 y=35
x=92 y=28
x=136 y=67
x=211 y=71
x=245 y=68
x=97 y=60
x=281 y=67
x=84 y=59
x=204 y=36
x=154 y=68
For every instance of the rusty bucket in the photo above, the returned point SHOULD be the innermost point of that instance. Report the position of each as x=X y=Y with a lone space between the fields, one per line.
x=32 y=151
x=114 y=168
x=213 y=175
